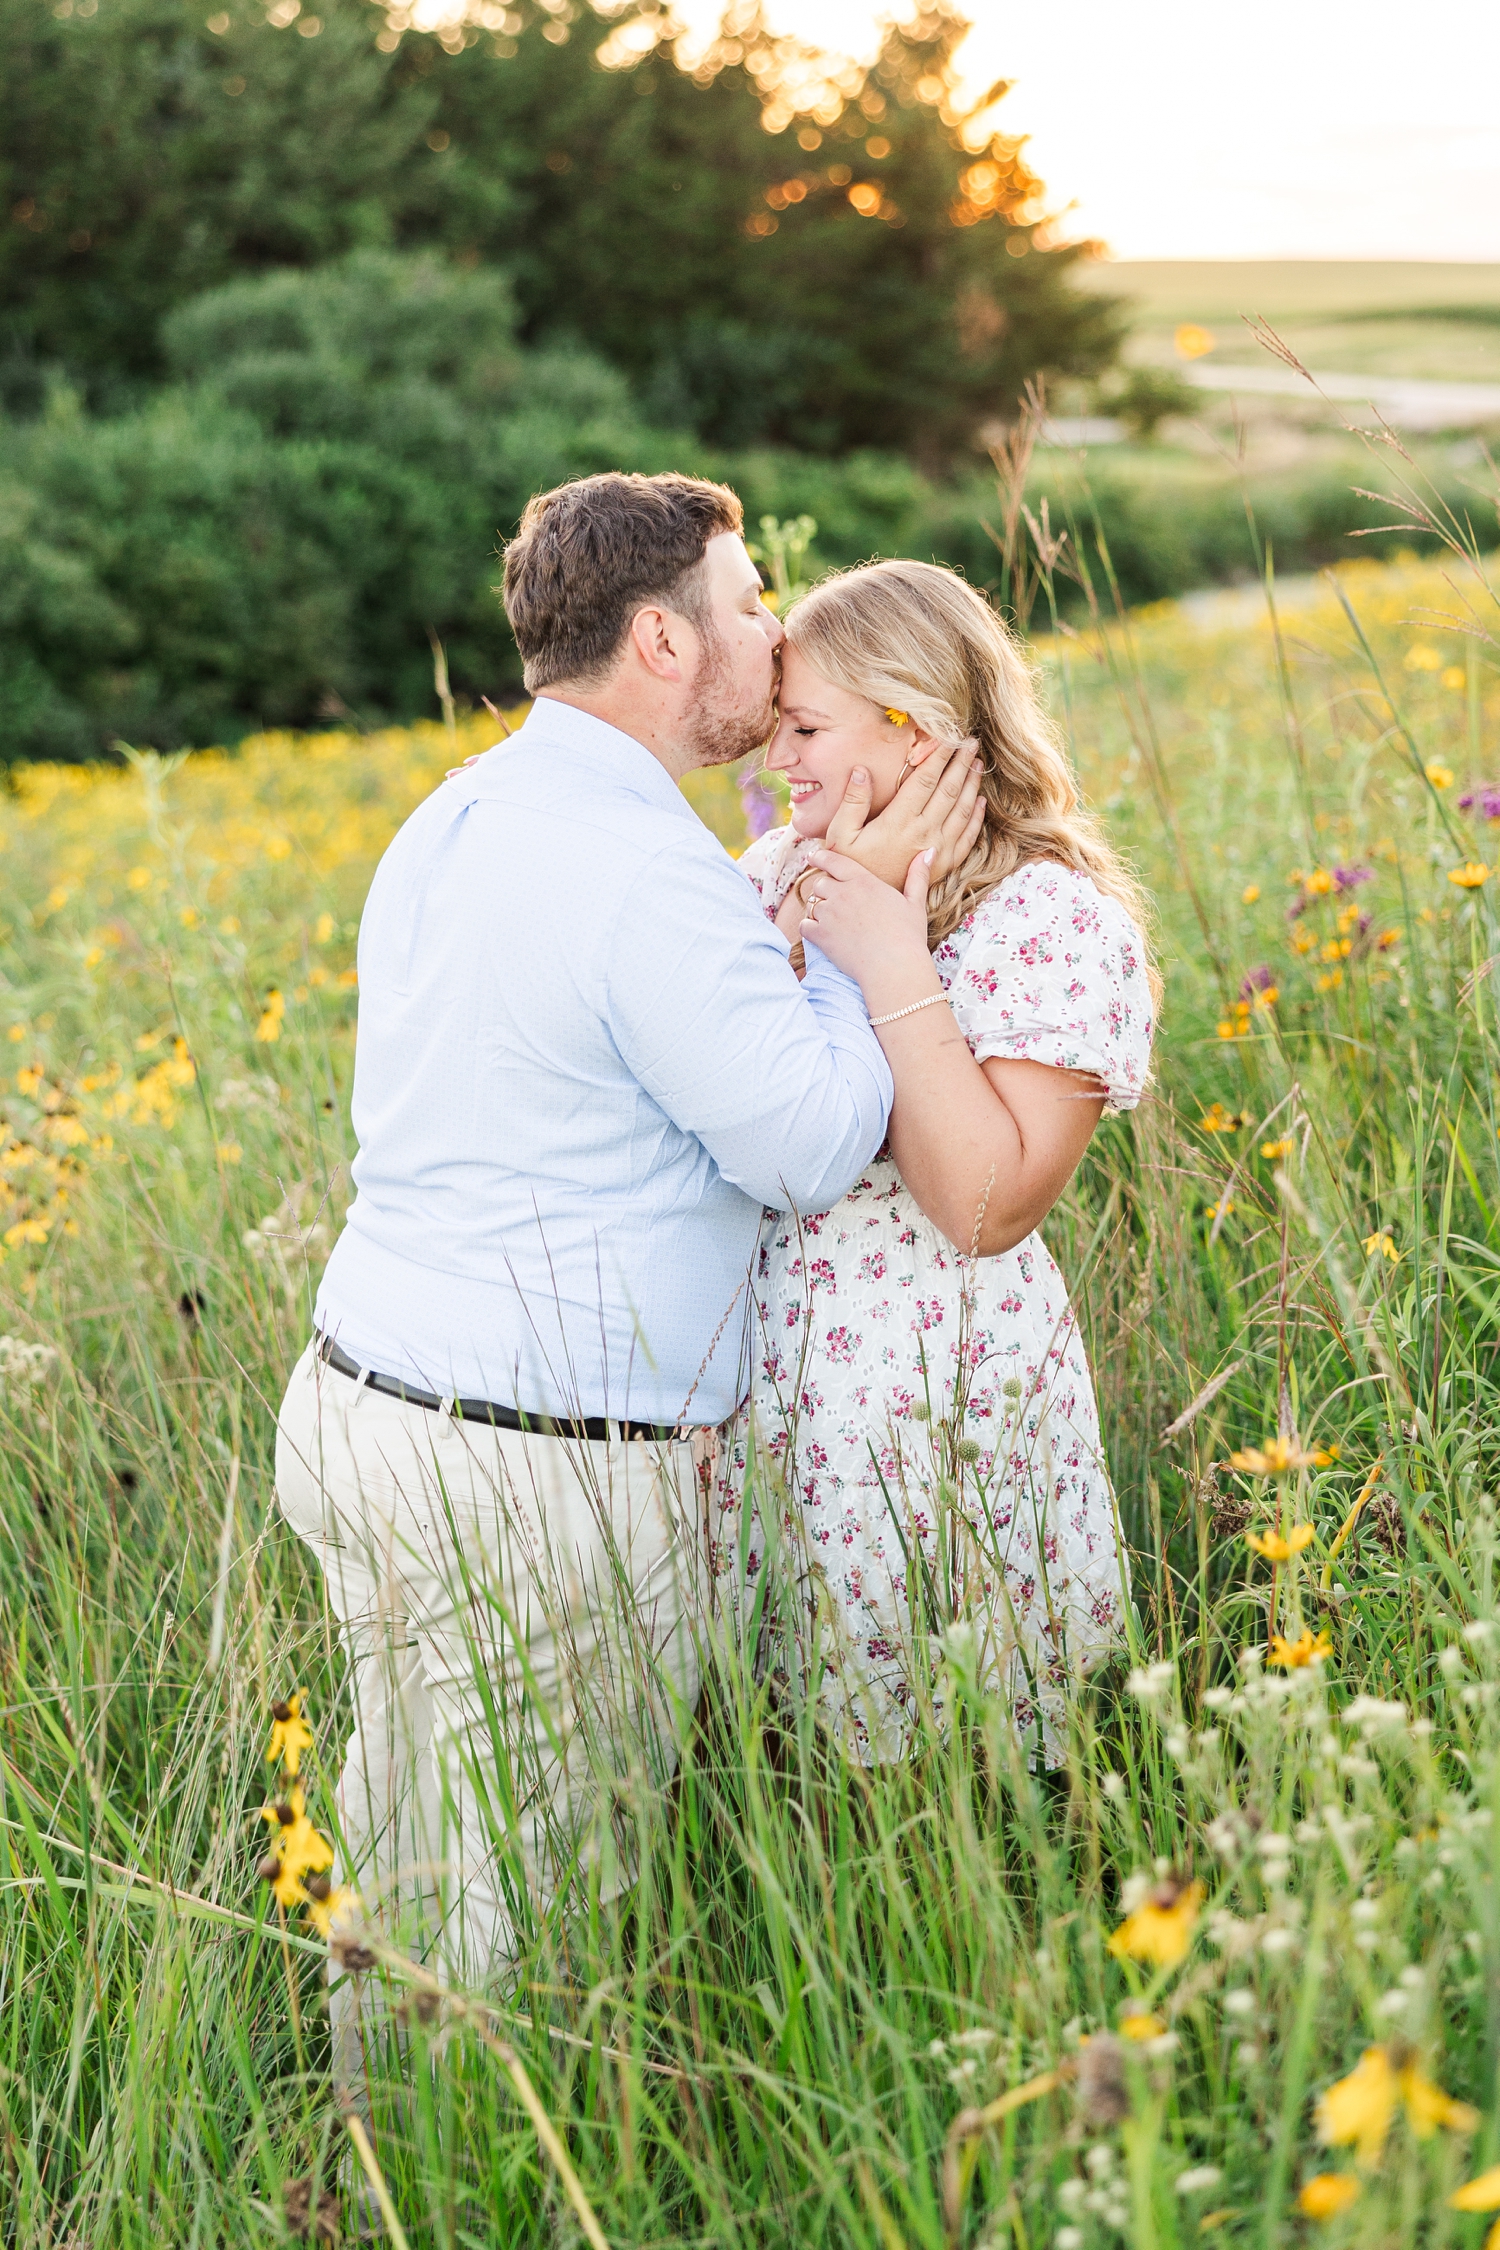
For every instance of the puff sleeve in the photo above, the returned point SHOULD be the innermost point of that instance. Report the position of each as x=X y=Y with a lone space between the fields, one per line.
x=1048 y=969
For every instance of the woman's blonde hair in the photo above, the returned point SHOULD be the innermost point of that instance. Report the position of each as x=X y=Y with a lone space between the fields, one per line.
x=913 y=637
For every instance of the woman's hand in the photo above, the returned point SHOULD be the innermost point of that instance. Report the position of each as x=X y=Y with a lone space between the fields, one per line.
x=936 y=809
x=874 y=933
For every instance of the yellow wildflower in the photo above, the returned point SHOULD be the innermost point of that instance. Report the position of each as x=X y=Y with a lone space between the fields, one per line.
x=1275 y=1548
x=296 y=1842
x=268 y=1030
x=1274 y=1150
x=285 y=1882
x=1161 y=1929
x=1482 y=2194
x=1438 y=774
x=1293 y=1655
x=1469 y=876
x=1327 y=2194
x=1141 y=2024
x=1218 y=1119
x=1319 y=883
x=1428 y=2107
x=1361 y=2107
x=1273 y=1459
x=899 y=718
x=1420 y=659
x=1380 y=1244
x=290 y=1732
x=322 y=929
x=327 y=1900
x=1190 y=341
x=1250 y=894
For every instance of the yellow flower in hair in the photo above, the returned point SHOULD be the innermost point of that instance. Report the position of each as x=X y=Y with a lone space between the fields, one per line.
x=899 y=718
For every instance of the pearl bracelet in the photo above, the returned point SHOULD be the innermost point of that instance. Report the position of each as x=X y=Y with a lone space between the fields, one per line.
x=897 y=1013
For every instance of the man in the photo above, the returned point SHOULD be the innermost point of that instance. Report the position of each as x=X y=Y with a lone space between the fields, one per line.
x=584 y=1067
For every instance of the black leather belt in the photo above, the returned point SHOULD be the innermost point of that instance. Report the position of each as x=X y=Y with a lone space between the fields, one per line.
x=486 y=1410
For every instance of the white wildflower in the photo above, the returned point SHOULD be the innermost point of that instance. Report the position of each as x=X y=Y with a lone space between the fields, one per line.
x=1478 y=1631
x=1372 y=1716
x=24 y=1367
x=1198 y=2180
x=1239 y=2002
x=1153 y=1682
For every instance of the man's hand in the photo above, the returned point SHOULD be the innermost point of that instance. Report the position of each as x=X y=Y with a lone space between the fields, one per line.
x=936 y=809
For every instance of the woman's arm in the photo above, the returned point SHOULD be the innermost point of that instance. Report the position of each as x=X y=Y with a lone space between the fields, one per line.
x=984 y=1148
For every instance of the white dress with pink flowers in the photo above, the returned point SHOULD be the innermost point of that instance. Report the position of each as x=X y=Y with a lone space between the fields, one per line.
x=926 y=1420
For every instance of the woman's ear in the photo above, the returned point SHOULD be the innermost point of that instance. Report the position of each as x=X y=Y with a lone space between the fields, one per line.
x=922 y=746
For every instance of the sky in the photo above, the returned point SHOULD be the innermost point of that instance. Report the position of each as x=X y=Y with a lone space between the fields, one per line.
x=1193 y=129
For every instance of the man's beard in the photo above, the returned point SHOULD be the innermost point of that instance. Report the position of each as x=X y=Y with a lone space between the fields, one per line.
x=719 y=729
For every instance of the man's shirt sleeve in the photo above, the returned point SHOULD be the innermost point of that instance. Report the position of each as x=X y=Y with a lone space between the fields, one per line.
x=785 y=1085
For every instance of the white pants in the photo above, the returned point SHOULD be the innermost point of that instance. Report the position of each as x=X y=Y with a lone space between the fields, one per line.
x=519 y=1614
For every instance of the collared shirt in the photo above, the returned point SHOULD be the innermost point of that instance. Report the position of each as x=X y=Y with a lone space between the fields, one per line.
x=584 y=1066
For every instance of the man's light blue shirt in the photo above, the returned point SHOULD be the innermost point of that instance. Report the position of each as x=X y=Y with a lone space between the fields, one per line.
x=584 y=1066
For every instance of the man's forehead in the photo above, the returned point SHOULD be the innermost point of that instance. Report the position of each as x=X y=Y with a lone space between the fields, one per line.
x=727 y=554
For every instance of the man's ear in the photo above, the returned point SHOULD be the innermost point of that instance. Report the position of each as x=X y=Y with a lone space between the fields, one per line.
x=659 y=638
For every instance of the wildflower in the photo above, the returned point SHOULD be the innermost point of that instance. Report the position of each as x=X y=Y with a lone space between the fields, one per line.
x=285 y=1881
x=1438 y=774
x=1293 y=1655
x=298 y=1844
x=1250 y=894
x=1273 y=1459
x=290 y=1734
x=899 y=718
x=1303 y=939
x=1470 y=875
x=1324 y=2196
x=1161 y=1928
x=1275 y=1548
x=1320 y=883
x=326 y=1901
x=1140 y=2024
x=1380 y=1244
x=1350 y=878
x=1190 y=341
x=1482 y=2194
x=1220 y=1120
x=1422 y=659
x=1361 y=2107
x=1486 y=797
x=322 y=929
x=268 y=1030
x=1274 y=1150
x=1199 y=2180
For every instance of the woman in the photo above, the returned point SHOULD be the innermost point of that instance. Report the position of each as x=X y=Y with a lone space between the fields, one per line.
x=920 y=1395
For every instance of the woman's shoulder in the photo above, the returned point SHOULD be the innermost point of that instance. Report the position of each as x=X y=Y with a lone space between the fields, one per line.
x=1044 y=895
x=769 y=862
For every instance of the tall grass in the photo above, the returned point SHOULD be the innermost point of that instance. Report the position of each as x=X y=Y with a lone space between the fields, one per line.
x=803 y=2022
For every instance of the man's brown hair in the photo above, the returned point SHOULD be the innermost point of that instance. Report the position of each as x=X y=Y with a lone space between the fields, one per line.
x=591 y=553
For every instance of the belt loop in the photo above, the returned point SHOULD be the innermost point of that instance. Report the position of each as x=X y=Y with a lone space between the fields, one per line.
x=446 y=1406
x=359 y=1388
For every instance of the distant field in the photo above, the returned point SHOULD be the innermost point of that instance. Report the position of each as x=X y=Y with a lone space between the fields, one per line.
x=1363 y=316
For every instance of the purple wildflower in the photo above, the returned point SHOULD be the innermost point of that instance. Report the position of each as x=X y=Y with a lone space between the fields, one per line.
x=760 y=806
x=1486 y=797
x=1260 y=979
x=1349 y=878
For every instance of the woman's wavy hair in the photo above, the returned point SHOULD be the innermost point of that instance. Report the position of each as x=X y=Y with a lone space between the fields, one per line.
x=913 y=637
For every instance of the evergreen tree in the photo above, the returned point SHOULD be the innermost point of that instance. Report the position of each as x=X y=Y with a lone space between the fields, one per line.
x=769 y=250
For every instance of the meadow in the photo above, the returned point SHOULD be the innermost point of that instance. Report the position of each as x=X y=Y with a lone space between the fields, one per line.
x=1230 y=1973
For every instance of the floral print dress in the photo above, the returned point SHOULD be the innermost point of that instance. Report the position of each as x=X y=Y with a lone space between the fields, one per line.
x=923 y=1423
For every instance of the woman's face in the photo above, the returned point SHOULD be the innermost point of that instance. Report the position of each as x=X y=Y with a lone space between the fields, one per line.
x=822 y=733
